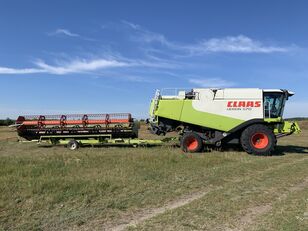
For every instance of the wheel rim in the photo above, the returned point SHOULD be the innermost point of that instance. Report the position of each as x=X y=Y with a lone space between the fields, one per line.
x=191 y=143
x=73 y=146
x=259 y=140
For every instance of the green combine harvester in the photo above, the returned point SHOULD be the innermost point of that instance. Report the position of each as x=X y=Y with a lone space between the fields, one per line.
x=205 y=117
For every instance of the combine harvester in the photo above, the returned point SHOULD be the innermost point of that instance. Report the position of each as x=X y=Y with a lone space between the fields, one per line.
x=203 y=117
x=207 y=117
x=80 y=129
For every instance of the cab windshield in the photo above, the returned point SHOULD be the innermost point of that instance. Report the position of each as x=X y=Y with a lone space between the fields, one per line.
x=273 y=104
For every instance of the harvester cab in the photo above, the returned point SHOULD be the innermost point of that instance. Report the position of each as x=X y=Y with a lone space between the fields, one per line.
x=274 y=102
x=251 y=117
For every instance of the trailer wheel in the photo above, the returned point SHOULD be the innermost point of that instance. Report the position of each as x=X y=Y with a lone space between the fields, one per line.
x=258 y=140
x=191 y=142
x=73 y=145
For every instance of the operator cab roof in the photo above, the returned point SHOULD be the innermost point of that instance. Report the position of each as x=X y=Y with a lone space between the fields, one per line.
x=290 y=93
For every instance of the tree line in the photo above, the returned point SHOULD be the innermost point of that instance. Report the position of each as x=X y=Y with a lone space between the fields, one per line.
x=6 y=122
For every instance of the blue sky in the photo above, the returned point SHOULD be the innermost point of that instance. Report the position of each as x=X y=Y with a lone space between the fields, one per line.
x=110 y=56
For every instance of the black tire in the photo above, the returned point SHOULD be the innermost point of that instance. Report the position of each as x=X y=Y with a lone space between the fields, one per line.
x=258 y=139
x=73 y=145
x=191 y=142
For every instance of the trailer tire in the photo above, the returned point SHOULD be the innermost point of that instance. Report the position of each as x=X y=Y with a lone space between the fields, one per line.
x=73 y=145
x=258 y=139
x=191 y=142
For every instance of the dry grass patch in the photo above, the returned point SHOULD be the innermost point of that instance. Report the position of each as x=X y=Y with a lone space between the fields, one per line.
x=92 y=188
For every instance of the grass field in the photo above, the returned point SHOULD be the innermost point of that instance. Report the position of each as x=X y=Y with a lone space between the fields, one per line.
x=156 y=188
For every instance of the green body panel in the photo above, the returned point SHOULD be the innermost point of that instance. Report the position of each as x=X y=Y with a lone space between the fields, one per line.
x=182 y=110
x=287 y=128
x=170 y=109
x=283 y=127
x=273 y=120
x=97 y=140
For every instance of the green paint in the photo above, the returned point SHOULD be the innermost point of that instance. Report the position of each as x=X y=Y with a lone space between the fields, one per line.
x=182 y=110
x=219 y=122
x=287 y=128
x=273 y=120
x=283 y=127
x=171 y=109
x=99 y=140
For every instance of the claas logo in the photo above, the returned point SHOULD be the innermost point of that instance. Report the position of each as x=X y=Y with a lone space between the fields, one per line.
x=240 y=104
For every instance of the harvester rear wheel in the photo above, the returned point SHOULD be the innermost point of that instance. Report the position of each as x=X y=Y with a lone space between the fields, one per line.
x=258 y=140
x=191 y=142
x=73 y=145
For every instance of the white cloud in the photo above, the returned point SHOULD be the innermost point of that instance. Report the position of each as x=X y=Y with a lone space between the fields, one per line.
x=68 y=33
x=237 y=44
x=64 y=32
x=228 y=44
x=132 y=25
x=73 y=66
x=211 y=82
x=90 y=66
x=155 y=57
x=79 y=66
x=147 y=36
x=6 y=70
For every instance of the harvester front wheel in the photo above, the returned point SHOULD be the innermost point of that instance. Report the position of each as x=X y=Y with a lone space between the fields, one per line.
x=258 y=140
x=191 y=142
x=73 y=145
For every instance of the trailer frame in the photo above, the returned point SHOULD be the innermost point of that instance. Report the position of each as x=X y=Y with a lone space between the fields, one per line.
x=75 y=141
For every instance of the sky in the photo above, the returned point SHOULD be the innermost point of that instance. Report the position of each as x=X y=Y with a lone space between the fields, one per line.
x=59 y=57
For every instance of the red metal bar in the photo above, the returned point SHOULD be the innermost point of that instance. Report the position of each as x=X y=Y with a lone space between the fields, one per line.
x=78 y=119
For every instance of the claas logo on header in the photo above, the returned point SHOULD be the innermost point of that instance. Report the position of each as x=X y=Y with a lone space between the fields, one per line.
x=240 y=104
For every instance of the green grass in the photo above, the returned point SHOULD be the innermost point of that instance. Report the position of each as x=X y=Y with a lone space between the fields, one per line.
x=54 y=188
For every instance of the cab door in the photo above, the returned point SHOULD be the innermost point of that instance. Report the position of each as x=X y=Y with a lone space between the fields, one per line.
x=273 y=104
